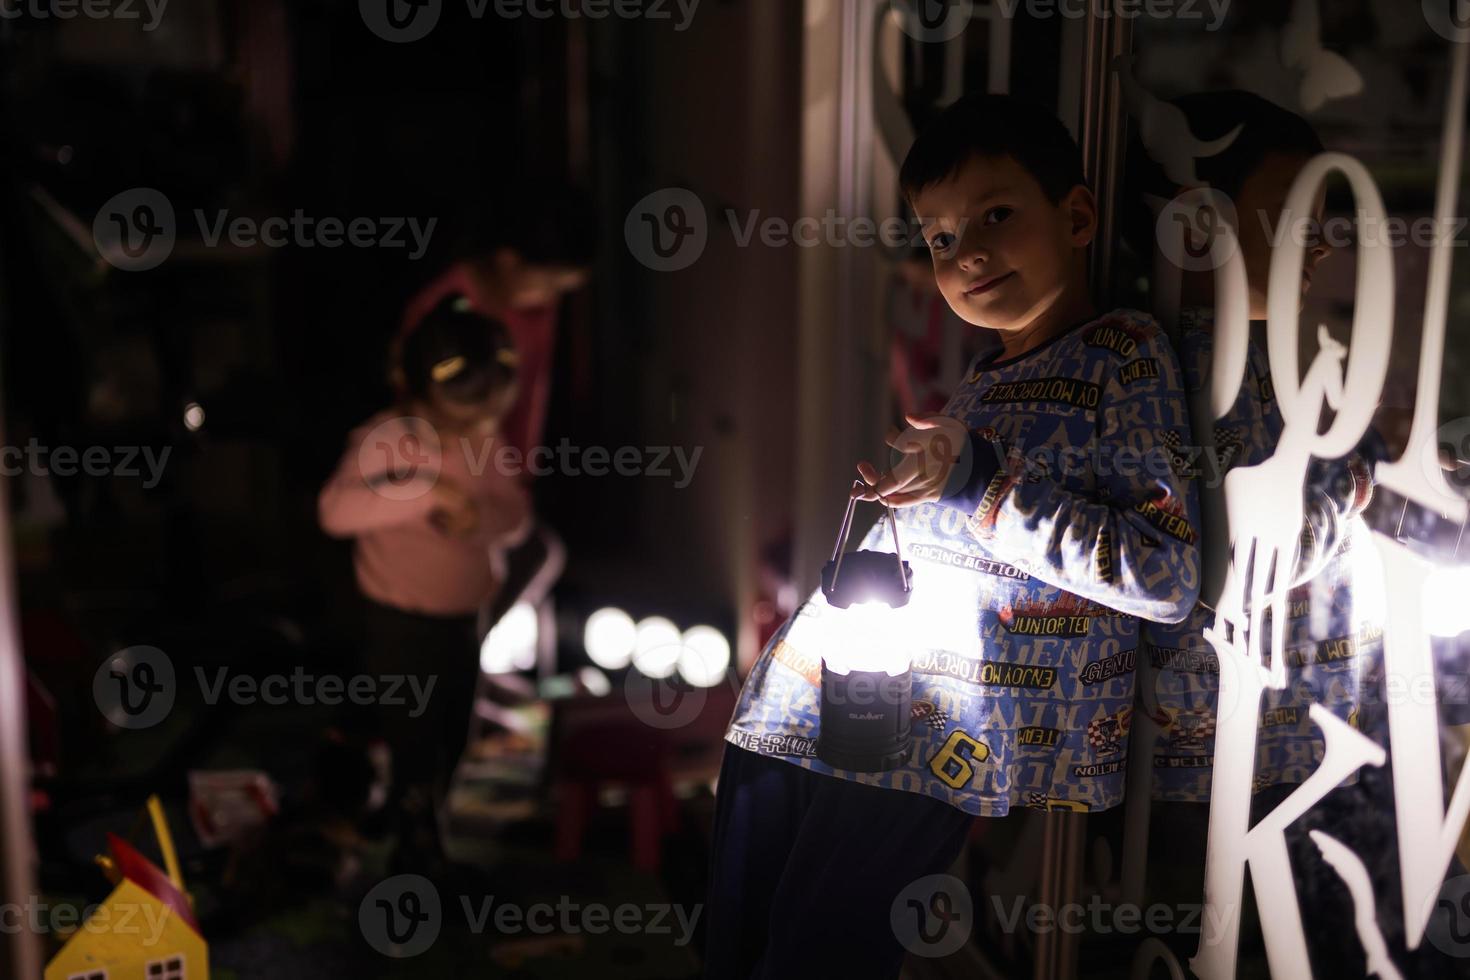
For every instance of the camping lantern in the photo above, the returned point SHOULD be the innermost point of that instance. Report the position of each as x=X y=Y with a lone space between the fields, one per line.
x=867 y=684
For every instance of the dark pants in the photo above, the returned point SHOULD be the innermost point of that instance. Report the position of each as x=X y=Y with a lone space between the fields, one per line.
x=806 y=868
x=425 y=748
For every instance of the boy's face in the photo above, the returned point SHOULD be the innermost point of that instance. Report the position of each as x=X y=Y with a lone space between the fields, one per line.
x=1262 y=196
x=1003 y=253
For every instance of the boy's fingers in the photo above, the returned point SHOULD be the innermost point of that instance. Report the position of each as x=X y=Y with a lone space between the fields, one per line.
x=899 y=479
x=922 y=421
x=910 y=499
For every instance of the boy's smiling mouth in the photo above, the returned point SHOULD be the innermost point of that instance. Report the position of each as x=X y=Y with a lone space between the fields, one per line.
x=986 y=284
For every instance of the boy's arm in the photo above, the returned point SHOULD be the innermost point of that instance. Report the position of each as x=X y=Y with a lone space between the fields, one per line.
x=364 y=494
x=1335 y=490
x=1132 y=546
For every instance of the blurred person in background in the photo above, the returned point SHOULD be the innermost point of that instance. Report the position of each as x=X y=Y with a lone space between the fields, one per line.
x=432 y=514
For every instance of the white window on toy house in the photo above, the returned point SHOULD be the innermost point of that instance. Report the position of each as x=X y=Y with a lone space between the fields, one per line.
x=94 y=975
x=167 y=969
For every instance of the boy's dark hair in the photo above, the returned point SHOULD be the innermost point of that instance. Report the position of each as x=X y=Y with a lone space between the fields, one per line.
x=994 y=126
x=1266 y=128
x=463 y=355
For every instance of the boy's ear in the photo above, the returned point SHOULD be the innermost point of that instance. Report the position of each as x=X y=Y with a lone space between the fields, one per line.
x=1081 y=209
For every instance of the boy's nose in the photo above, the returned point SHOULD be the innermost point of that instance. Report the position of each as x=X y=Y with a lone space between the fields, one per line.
x=972 y=256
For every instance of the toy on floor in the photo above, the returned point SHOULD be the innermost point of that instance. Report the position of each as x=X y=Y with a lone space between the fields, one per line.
x=146 y=929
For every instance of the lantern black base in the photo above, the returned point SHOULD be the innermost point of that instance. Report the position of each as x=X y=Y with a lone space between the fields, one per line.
x=865 y=720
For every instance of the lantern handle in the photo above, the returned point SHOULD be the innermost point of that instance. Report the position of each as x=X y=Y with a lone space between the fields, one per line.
x=840 y=549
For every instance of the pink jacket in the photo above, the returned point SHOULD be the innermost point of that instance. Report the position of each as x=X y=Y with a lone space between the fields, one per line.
x=380 y=495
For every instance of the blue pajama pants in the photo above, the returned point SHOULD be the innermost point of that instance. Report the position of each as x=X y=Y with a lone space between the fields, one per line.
x=805 y=869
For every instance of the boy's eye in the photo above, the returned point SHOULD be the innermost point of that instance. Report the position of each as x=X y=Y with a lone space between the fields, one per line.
x=942 y=242
x=996 y=215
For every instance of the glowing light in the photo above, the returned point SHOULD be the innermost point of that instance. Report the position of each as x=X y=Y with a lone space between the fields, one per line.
x=1447 y=602
x=656 y=647
x=595 y=681
x=193 y=416
x=511 y=643
x=704 y=657
x=866 y=636
x=1370 y=600
x=609 y=638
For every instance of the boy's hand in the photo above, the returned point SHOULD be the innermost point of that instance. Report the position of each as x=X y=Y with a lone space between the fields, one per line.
x=453 y=513
x=927 y=456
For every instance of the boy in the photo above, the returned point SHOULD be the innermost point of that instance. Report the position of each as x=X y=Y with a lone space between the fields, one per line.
x=431 y=516
x=1043 y=515
x=1326 y=636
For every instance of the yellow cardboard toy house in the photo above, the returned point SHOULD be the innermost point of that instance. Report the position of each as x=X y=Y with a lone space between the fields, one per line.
x=145 y=930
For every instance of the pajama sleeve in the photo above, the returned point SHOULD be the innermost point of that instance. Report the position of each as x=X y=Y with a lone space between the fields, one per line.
x=1335 y=490
x=1131 y=543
